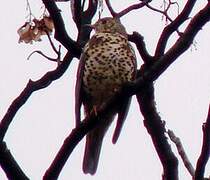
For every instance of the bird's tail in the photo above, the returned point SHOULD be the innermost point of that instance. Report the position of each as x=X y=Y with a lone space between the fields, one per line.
x=93 y=145
x=92 y=151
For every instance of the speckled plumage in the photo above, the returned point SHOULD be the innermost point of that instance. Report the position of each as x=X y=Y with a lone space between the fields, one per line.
x=107 y=62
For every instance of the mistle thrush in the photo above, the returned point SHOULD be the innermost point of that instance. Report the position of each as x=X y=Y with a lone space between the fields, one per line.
x=107 y=62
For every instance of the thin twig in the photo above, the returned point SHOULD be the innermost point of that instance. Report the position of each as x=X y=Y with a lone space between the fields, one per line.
x=83 y=5
x=160 y=11
x=58 y=52
x=51 y=43
x=60 y=31
x=42 y=54
x=182 y=152
x=28 y=8
x=127 y=10
x=132 y=7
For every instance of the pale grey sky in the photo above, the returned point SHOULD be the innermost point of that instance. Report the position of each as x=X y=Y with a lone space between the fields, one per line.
x=41 y=125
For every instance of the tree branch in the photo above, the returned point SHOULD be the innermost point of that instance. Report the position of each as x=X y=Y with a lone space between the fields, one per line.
x=76 y=10
x=32 y=86
x=164 y=13
x=139 y=42
x=127 y=10
x=60 y=31
x=70 y=143
x=172 y=27
x=205 y=151
x=181 y=152
x=86 y=18
x=9 y=165
x=92 y=8
x=132 y=7
x=156 y=128
x=181 y=45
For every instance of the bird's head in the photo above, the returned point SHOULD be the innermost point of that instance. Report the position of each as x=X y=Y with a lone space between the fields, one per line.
x=109 y=25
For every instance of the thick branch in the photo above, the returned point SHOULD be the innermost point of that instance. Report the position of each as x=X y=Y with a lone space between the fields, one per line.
x=9 y=165
x=92 y=8
x=139 y=41
x=205 y=152
x=60 y=31
x=77 y=13
x=156 y=128
x=86 y=18
x=29 y=89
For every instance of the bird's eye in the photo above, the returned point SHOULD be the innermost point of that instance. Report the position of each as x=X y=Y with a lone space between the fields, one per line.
x=104 y=22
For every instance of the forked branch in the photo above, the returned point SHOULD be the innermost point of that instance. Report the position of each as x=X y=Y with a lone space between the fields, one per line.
x=172 y=27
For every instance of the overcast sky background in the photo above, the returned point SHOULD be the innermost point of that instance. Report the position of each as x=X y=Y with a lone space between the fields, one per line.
x=41 y=125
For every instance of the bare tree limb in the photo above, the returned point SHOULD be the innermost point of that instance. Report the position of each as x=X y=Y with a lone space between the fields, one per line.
x=77 y=12
x=172 y=27
x=156 y=128
x=139 y=42
x=9 y=165
x=86 y=18
x=127 y=10
x=91 y=10
x=183 y=42
x=73 y=48
x=132 y=7
x=205 y=151
x=160 y=11
x=181 y=152
x=83 y=17
x=32 y=86
x=70 y=143
x=60 y=31
x=45 y=56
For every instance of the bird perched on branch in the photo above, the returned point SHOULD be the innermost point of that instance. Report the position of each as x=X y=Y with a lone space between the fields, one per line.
x=107 y=62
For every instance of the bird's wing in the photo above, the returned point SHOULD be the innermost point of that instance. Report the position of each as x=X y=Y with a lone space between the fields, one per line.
x=122 y=113
x=79 y=93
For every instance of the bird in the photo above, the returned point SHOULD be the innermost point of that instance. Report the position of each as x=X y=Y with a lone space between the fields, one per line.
x=107 y=62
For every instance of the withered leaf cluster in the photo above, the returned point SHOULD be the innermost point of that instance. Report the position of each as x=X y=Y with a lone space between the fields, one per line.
x=32 y=31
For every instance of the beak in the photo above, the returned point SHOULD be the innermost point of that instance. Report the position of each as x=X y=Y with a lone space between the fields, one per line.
x=89 y=26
